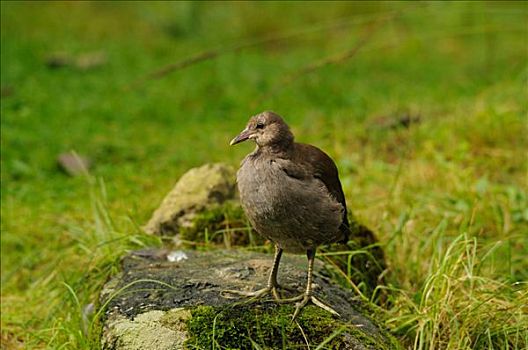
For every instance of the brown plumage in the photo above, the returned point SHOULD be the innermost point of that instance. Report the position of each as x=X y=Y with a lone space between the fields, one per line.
x=292 y=195
x=322 y=167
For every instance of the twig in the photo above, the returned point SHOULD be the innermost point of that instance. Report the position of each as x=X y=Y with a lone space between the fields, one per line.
x=212 y=54
x=335 y=59
x=181 y=64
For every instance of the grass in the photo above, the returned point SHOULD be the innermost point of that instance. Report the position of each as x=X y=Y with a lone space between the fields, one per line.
x=446 y=196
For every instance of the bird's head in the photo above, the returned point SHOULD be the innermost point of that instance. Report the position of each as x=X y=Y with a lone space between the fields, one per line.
x=267 y=129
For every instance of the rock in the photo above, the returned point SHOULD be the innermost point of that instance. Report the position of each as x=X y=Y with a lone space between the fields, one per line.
x=91 y=60
x=150 y=330
x=157 y=304
x=224 y=224
x=198 y=190
x=73 y=164
x=82 y=62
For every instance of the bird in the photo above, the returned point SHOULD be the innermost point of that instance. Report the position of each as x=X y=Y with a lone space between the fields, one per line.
x=292 y=196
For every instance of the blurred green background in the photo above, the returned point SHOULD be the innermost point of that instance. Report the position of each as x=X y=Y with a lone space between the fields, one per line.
x=73 y=78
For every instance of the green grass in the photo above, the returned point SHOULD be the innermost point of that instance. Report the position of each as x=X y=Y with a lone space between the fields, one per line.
x=447 y=197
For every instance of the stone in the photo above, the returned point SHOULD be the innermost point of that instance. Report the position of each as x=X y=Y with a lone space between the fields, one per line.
x=158 y=304
x=198 y=190
x=149 y=330
x=82 y=62
x=91 y=60
x=73 y=164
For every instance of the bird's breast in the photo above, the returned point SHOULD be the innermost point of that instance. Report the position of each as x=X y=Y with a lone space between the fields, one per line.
x=295 y=213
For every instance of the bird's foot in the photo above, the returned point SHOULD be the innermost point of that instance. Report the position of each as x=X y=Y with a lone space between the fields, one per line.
x=253 y=295
x=304 y=299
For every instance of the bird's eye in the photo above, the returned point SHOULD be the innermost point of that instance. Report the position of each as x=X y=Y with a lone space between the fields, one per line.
x=260 y=126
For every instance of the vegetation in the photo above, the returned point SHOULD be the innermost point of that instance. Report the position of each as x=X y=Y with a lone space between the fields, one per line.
x=426 y=119
x=228 y=327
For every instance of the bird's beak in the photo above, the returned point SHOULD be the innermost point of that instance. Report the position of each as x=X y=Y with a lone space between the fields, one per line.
x=243 y=136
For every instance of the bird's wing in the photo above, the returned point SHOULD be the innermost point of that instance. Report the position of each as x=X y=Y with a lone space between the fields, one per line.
x=292 y=169
x=310 y=161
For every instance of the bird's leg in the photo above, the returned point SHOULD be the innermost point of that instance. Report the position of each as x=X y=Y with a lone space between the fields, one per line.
x=307 y=296
x=272 y=284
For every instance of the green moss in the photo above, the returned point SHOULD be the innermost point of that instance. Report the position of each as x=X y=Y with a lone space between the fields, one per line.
x=221 y=224
x=270 y=326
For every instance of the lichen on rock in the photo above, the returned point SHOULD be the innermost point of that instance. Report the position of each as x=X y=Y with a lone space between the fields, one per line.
x=156 y=329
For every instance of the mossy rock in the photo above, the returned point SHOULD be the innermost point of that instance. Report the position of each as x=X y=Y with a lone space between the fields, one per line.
x=158 y=304
x=224 y=224
x=196 y=191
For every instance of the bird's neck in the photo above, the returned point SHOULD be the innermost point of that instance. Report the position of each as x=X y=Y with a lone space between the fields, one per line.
x=282 y=149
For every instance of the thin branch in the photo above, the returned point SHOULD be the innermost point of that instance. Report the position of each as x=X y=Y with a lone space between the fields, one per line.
x=212 y=54
x=330 y=60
